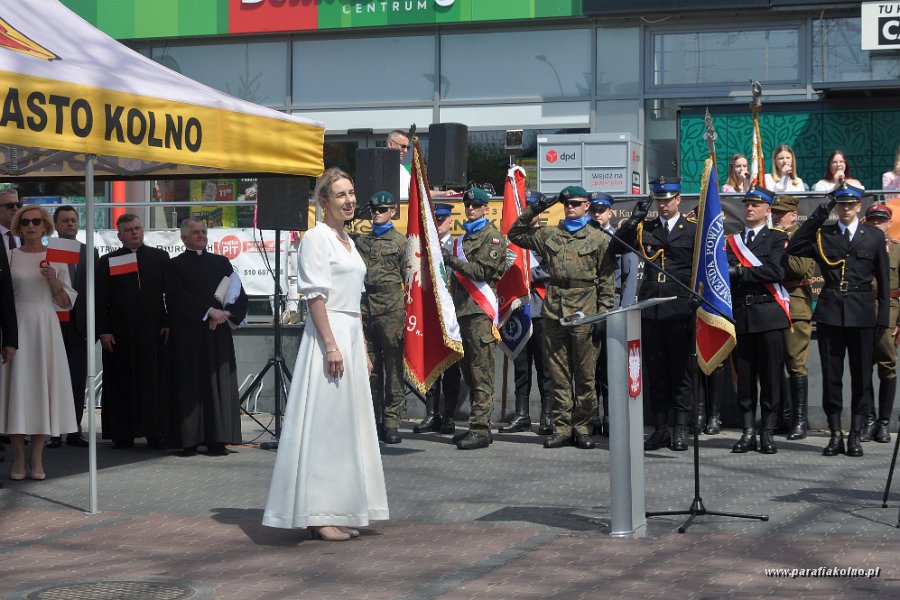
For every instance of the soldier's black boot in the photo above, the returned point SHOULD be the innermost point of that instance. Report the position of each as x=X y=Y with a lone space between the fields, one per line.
x=767 y=435
x=521 y=422
x=784 y=419
x=447 y=413
x=836 y=443
x=660 y=436
x=392 y=436
x=545 y=425
x=432 y=420
x=679 y=432
x=868 y=426
x=748 y=437
x=854 y=448
x=886 y=391
x=800 y=401
x=714 y=418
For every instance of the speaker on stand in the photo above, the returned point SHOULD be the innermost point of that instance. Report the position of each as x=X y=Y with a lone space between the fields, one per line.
x=282 y=203
x=448 y=150
x=377 y=170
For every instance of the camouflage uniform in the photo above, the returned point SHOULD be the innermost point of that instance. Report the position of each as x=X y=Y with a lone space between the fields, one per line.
x=485 y=252
x=382 y=308
x=886 y=356
x=581 y=278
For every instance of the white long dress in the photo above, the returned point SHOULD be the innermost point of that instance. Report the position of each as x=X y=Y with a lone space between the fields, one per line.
x=35 y=388
x=328 y=468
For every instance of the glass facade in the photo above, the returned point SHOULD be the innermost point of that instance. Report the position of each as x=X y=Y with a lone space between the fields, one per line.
x=837 y=57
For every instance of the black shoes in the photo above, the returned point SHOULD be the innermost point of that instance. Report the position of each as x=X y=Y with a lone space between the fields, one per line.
x=156 y=443
x=545 y=425
x=558 y=440
x=679 y=438
x=462 y=435
x=868 y=429
x=473 y=441
x=430 y=423
x=882 y=433
x=854 y=448
x=658 y=439
x=520 y=423
x=746 y=443
x=54 y=442
x=76 y=439
x=392 y=436
x=835 y=444
x=189 y=451
x=217 y=449
x=584 y=441
x=122 y=444
x=767 y=442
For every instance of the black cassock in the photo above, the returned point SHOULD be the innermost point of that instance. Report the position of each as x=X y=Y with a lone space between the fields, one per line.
x=206 y=403
x=131 y=306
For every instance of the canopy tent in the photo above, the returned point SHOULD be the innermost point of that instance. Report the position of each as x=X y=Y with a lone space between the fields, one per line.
x=77 y=103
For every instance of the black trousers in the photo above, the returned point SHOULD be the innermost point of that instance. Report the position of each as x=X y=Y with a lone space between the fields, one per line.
x=76 y=355
x=759 y=357
x=532 y=354
x=858 y=343
x=667 y=370
x=447 y=385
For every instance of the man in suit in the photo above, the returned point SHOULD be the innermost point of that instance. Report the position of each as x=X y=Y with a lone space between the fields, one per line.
x=73 y=323
x=849 y=317
x=667 y=334
x=9 y=338
x=756 y=264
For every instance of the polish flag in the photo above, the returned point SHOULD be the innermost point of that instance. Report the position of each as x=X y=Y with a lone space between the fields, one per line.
x=120 y=265
x=60 y=250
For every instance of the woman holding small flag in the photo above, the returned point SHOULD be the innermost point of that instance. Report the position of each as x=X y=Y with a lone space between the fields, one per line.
x=36 y=398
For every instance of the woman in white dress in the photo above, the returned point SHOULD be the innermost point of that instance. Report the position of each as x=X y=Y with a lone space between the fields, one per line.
x=784 y=176
x=36 y=393
x=838 y=169
x=328 y=475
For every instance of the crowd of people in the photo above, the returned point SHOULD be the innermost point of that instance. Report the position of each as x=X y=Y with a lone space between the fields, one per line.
x=169 y=371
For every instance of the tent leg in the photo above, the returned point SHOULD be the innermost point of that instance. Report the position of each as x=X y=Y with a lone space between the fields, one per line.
x=91 y=331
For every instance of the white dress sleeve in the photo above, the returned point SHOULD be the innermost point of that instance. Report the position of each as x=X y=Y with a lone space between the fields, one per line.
x=314 y=276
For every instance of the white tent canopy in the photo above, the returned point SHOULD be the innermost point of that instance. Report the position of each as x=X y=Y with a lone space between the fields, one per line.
x=72 y=100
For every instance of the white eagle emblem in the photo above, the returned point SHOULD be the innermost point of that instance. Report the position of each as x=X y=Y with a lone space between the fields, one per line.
x=634 y=368
x=413 y=266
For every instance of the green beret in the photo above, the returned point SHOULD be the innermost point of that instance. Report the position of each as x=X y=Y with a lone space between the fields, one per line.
x=573 y=191
x=382 y=199
x=475 y=195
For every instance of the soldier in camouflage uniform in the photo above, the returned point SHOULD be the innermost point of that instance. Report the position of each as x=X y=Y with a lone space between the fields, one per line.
x=384 y=251
x=478 y=260
x=581 y=278
x=798 y=283
x=877 y=427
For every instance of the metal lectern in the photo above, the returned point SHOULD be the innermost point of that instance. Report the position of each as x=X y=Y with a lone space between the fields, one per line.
x=626 y=414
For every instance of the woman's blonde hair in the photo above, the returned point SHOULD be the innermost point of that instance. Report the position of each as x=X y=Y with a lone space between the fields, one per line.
x=326 y=180
x=785 y=148
x=731 y=179
x=17 y=220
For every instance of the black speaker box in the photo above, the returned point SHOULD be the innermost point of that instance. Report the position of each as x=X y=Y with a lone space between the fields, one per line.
x=283 y=203
x=448 y=148
x=377 y=170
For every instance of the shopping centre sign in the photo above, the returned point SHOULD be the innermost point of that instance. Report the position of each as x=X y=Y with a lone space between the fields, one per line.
x=880 y=25
x=132 y=19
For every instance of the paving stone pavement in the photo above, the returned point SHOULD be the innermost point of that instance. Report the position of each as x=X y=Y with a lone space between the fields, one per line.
x=513 y=521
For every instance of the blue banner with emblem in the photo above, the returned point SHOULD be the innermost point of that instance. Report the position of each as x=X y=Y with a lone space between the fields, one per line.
x=516 y=331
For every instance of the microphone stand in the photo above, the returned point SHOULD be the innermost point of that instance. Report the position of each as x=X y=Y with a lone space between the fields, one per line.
x=697 y=507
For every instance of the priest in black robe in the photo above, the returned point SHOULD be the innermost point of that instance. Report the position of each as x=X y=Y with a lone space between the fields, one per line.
x=133 y=329
x=204 y=371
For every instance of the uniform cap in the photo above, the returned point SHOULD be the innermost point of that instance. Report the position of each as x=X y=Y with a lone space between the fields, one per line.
x=784 y=203
x=760 y=193
x=663 y=189
x=847 y=193
x=878 y=211
x=601 y=199
x=573 y=191
x=382 y=199
x=476 y=195
x=442 y=210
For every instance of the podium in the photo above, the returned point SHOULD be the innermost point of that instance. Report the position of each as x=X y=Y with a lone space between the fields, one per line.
x=626 y=414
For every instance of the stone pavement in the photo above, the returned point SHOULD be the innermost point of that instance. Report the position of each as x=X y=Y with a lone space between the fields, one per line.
x=513 y=521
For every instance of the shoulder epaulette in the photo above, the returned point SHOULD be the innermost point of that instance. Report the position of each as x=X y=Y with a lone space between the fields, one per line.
x=779 y=229
x=691 y=220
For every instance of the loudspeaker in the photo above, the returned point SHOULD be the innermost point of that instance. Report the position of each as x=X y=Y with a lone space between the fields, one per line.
x=377 y=170
x=448 y=148
x=283 y=203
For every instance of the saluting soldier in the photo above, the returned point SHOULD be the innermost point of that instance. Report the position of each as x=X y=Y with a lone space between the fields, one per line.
x=798 y=282
x=478 y=260
x=581 y=279
x=383 y=311
x=756 y=264
x=668 y=242
x=877 y=426
x=849 y=319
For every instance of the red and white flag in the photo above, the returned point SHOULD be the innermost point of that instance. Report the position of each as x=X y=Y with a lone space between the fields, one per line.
x=60 y=250
x=513 y=289
x=432 y=341
x=120 y=265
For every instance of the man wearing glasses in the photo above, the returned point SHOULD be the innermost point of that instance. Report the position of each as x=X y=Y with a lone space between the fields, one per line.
x=399 y=140
x=9 y=206
x=383 y=250
x=581 y=279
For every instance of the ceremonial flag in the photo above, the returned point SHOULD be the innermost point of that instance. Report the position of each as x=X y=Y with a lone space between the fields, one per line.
x=120 y=265
x=513 y=289
x=64 y=251
x=432 y=341
x=715 y=334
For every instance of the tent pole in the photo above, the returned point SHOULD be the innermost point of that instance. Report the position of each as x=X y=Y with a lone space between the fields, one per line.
x=91 y=330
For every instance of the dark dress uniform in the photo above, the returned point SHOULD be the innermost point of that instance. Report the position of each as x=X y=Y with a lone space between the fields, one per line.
x=666 y=329
x=847 y=315
x=485 y=252
x=798 y=282
x=759 y=324
x=581 y=279
x=383 y=313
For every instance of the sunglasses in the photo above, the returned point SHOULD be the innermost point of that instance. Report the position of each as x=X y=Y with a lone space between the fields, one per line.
x=36 y=221
x=599 y=209
x=15 y=205
x=473 y=204
x=574 y=203
x=440 y=219
x=381 y=209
